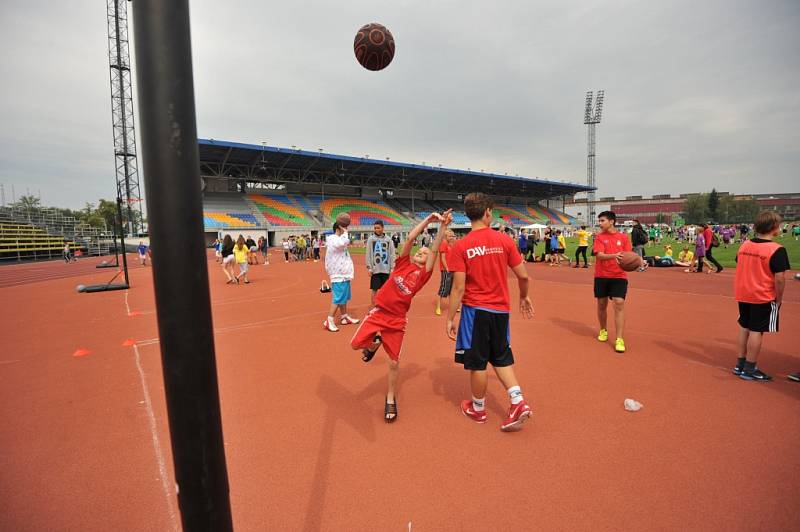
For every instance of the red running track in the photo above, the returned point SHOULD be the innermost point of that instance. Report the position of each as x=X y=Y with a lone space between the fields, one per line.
x=86 y=445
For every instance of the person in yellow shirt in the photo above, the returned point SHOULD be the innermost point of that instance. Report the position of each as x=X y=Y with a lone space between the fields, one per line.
x=685 y=257
x=583 y=244
x=562 y=248
x=668 y=250
x=240 y=251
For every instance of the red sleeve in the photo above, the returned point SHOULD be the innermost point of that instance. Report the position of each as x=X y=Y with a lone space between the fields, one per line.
x=444 y=248
x=598 y=246
x=455 y=259
x=514 y=258
x=627 y=244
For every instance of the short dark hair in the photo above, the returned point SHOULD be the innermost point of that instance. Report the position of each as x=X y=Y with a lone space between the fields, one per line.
x=766 y=222
x=475 y=204
x=378 y=222
x=583 y=227
x=335 y=226
x=608 y=215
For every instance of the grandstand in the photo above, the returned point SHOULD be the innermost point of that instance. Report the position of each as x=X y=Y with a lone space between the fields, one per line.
x=40 y=233
x=274 y=192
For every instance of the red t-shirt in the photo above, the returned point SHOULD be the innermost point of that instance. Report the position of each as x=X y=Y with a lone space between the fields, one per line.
x=610 y=243
x=406 y=280
x=485 y=256
x=444 y=251
x=708 y=235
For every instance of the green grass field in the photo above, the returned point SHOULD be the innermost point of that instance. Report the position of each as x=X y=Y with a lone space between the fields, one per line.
x=725 y=255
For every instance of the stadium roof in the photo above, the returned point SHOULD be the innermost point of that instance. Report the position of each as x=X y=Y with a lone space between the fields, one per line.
x=271 y=164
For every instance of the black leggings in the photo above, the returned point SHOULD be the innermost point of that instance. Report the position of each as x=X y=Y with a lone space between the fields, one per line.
x=581 y=251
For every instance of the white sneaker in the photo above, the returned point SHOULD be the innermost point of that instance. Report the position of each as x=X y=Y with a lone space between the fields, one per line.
x=347 y=320
x=330 y=325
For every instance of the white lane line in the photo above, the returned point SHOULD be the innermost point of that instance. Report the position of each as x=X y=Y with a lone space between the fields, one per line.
x=162 y=466
x=127 y=307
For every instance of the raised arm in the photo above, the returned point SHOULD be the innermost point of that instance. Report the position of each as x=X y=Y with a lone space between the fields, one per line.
x=447 y=217
x=412 y=236
x=337 y=242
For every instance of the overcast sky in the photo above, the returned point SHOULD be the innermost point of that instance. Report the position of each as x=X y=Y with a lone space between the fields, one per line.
x=698 y=94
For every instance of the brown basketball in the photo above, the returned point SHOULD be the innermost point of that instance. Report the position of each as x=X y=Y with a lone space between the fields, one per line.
x=630 y=261
x=343 y=219
x=374 y=46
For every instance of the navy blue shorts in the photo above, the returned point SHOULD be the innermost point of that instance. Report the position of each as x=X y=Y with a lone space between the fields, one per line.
x=483 y=338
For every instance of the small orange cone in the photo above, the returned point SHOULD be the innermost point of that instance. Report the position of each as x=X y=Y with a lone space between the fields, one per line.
x=129 y=342
x=81 y=352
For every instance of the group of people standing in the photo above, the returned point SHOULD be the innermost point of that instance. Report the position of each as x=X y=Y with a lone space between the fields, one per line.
x=473 y=274
x=300 y=248
x=242 y=254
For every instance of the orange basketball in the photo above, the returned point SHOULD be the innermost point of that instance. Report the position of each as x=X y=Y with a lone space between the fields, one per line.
x=630 y=261
x=343 y=219
x=374 y=46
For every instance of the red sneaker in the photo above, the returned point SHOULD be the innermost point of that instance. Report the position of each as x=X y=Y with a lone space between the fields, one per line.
x=348 y=320
x=467 y=410
x=517 y=414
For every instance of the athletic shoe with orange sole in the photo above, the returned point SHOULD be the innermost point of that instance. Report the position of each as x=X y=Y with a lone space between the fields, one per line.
x=467 y=410
x=517 y=415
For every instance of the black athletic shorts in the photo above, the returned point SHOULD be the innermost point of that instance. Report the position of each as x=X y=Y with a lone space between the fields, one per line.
x=483 y=337
x=376 y=280
x=446 y=284
x=759 y=317
x=607 y=287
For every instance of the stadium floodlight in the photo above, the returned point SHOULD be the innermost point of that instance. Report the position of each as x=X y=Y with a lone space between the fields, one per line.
x=591 y=117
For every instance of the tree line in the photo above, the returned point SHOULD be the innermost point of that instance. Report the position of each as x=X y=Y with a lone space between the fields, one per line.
x=719 y=208
x=101 y=215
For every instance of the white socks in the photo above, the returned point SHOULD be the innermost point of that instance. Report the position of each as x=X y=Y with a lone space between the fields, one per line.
x=515 y=393
x=478 y=405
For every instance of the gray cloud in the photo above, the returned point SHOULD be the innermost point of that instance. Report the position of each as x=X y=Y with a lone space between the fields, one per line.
x=697 y=95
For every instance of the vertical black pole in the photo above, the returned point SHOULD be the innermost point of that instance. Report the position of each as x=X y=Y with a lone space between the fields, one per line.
x=180 y=272
x=122 y=241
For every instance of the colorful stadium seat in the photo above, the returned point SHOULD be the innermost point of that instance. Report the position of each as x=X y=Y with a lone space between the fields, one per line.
x=362 y=212
x=550 y=216
x=219 y=220
x=280 y=211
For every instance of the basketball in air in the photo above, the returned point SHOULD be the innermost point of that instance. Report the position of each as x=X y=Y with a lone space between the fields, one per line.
x=374 y=46
x=343 y=220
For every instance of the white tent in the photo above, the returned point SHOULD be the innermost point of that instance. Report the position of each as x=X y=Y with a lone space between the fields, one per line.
x=534 y=226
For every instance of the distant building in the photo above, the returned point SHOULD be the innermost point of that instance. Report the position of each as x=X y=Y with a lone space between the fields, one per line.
x=663 y=207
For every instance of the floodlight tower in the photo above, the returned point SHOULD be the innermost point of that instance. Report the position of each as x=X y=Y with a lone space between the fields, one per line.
x=122 y=112
x=591 y=117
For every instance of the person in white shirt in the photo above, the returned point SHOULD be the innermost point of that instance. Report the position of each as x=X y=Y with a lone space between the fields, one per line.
x=339 y=266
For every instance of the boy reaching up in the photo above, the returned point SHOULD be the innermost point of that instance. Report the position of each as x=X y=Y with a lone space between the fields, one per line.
x=480 y=263
x=385 y=325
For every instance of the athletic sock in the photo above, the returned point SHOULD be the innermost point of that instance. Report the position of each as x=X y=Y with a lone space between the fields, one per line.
x=749 y=367
x=478 y=405
x=515 y=393
x=740 y=362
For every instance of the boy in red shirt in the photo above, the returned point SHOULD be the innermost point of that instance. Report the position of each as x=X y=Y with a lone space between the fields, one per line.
x=480 y=263
x=610 y=281
x=446 y=283
x=385 y=325
x=759 y=285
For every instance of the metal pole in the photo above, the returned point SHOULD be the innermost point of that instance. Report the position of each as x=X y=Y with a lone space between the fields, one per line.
x=172 y=171
x=122 y=241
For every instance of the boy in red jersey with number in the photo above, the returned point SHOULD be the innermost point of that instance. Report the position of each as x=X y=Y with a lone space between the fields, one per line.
x=386 y=323
x=759 y=285
x=480 y=263
x=610 y=280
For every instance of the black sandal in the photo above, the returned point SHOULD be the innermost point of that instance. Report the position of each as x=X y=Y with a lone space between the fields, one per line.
x=367 y=354
x=390 y=410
